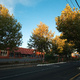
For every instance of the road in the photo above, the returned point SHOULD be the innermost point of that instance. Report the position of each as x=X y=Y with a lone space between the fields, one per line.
x=66 y=71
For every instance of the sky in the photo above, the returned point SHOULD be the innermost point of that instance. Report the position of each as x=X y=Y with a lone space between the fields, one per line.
x=30 y=12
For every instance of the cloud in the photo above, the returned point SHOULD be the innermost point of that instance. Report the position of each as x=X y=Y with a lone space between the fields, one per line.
x=10 y=4
x=29 y=2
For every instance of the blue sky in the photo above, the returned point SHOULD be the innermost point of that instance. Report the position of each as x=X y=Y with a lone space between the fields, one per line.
x=30 y=12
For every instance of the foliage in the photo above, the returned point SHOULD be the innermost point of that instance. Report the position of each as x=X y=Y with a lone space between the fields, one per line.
x=41 y=38
x=69 y=24
x=61 y=46
x=57 y=44
x=10 y=35
x=42 y=31
x=68 y=49
x=51 y=58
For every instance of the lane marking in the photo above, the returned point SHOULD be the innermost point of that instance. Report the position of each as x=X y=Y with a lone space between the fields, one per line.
x=25 y=73
x=75 y=76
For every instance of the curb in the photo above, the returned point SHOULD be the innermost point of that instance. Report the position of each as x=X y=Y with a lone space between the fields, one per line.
x=50 y=64
x=16 y=65
x=26 y=65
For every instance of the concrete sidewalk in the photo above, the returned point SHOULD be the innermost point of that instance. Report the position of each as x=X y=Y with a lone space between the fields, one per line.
x=50 y=64
x=26 y=65
x=17 y=65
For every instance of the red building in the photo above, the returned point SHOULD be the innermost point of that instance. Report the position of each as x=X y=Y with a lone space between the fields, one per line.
x=20 y=53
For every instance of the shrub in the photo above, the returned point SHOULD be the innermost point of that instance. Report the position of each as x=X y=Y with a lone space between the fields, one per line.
x=51 y=58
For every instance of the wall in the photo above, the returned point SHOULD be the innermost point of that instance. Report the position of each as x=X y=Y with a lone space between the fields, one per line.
x=19 y=60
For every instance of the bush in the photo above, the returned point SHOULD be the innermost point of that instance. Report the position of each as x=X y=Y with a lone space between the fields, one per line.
x=50 y=58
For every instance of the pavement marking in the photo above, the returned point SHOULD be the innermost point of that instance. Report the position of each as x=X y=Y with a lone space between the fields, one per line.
x=25 y=73
x=75 y=76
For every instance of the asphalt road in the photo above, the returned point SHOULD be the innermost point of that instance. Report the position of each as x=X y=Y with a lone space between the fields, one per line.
x=66 y=71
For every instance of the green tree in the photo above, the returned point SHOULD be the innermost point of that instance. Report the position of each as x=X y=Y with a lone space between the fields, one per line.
x=68 y=49
x=10 y=34
x=69 y=24
x=41 y=38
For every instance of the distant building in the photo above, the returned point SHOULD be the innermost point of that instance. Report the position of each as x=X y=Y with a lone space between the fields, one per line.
x=19 y=53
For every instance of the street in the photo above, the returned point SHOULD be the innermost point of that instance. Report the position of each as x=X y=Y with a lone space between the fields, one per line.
x=65 y=71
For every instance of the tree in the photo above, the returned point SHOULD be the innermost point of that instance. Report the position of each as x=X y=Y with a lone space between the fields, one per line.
x=41 y=38
x=61 y=46
x=68 y=49
x=57 y=45
x=69 y=24
x=10 y=34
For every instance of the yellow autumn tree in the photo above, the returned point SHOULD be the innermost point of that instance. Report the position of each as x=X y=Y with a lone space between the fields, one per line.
x=61 y=46
x=59 y=43
x=4 y=11
x=41 y=38
x=69 y=24
x=43 y=31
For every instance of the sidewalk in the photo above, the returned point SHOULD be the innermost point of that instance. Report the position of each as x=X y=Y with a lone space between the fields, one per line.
x=17 y=65
x=26 y=65
x=29 y=64
x=50 y=64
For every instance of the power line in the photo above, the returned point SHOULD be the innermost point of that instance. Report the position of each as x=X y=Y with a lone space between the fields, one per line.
x=68 y=3
x=77 y=4
x=72 y=3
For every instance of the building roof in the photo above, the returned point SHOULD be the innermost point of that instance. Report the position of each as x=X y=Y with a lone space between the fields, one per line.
x=24 y=51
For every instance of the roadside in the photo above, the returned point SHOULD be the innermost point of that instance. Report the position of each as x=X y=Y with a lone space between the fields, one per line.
x=11 y=66
x=50 y=64
x=32 y=64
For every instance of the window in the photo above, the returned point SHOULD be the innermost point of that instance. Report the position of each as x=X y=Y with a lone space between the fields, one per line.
x=3 y=53
x=11 y=55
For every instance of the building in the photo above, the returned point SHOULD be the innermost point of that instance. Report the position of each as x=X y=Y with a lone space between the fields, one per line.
x=20 y=53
